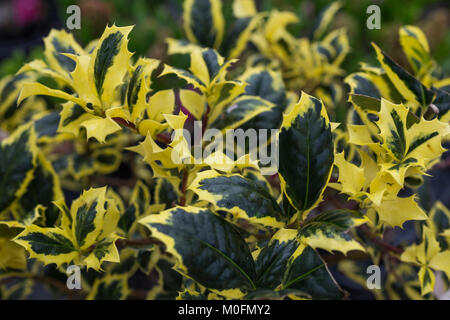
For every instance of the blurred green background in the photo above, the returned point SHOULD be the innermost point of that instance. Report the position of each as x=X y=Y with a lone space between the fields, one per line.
x=156 y=20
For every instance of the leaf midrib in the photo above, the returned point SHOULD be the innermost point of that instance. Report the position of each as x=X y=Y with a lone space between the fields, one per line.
x=269 y=267
x=234 y=264
x=302 y=276
x=307 y=166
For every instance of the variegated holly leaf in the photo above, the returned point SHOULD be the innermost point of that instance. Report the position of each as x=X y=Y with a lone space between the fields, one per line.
x=104 y=250
x=268 y=85
x=46 y=127
x=206 y=70
x=207 y=249
x=372 y=82
x=203 y=65
x=109 y=62
x=362 y=84
x=169 y=281
x=49 y=245
x=307 y=272
x=42 y=190
x=13 y=114
x=204 y=22
x=110 y=287
x=271 y=260
x=286 y=264
x=94 y=77
x=238 y=35
x=58 y=43
x=243 y=198
x=439 y=223
x=417 y=51
x=273 y=39
x=409 y=87
x=9 y=90
x=71 y=118
x=395 y=212
x=306 y=152
x=86 y=234
x=173 y=155
x=403 y=285
x=401 y=150
x=337 y=40
x=134 y=94
x=87 y=214
x=324 y=19
x=329 y=231
x=241 y=111
x=427 y=255
x=138 y=205
x=392 y=124
x=18 y=154
x=166 y=193
x=420 y=143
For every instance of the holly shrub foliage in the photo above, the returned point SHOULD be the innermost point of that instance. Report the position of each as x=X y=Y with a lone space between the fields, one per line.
x=101 y=178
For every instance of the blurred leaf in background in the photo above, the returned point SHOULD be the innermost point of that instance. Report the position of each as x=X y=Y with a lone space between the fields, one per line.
x=156 y=20
x=432 y=16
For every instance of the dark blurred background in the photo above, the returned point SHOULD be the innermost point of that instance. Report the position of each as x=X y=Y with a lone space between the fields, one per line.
x=23 y=23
